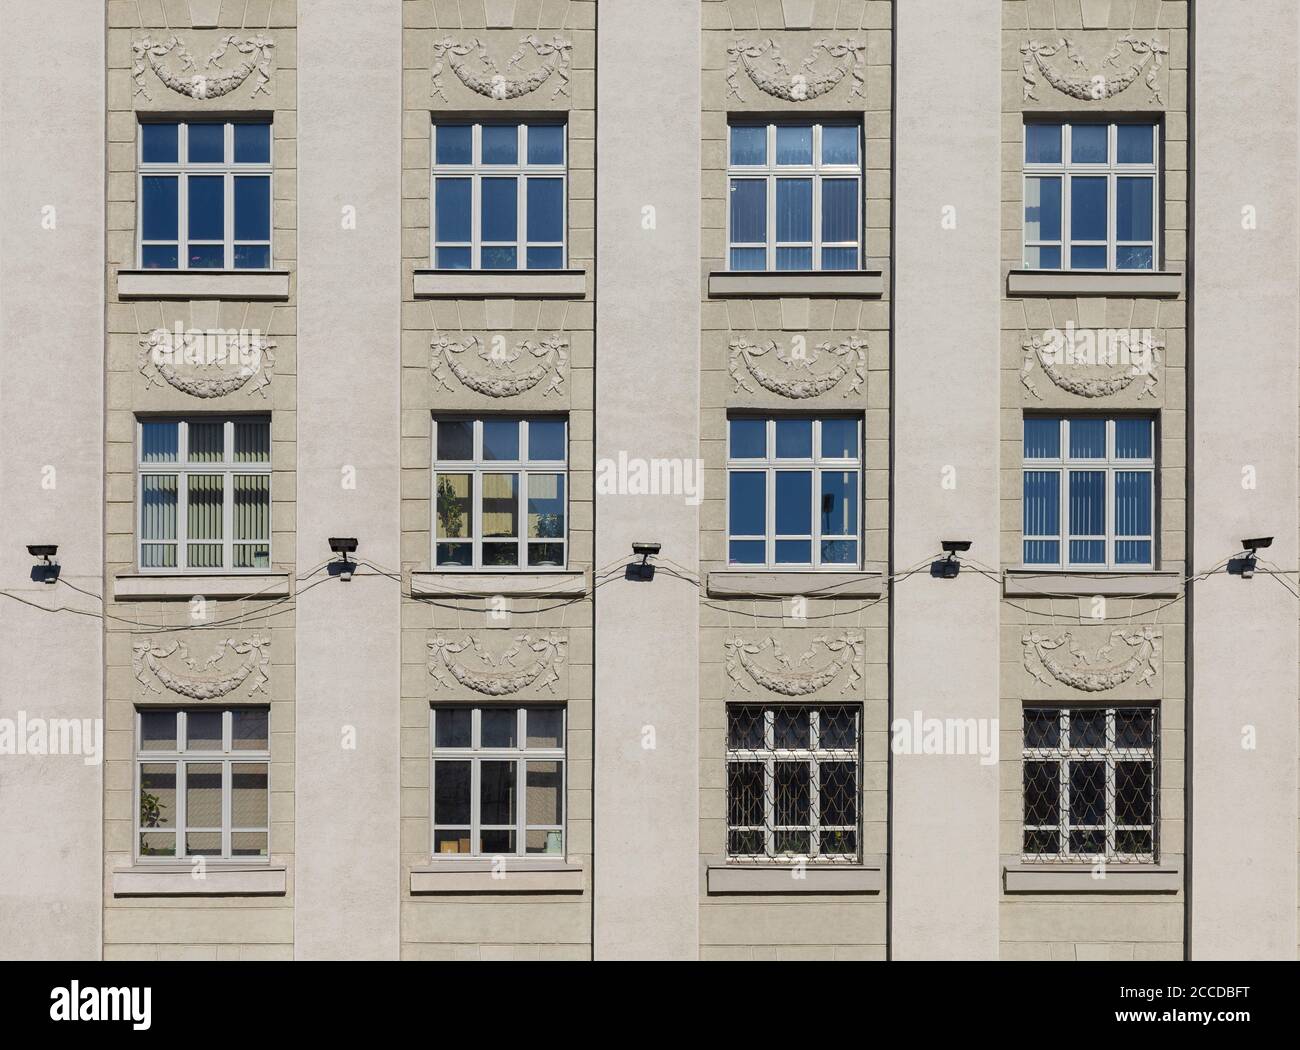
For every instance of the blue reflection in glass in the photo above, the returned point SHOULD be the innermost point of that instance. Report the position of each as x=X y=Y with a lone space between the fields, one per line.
x=1133 y=257
x=839 y=503
x=746 y=552
x=1088 y=143
x=839 y=438
x=794 y=438
x=839 y=258
x=1042 y=552
x=158 y=143
x=748 y=211
x=1088 y=438
x=545 y=258
x=748 y=144
x=793 y=503
x=500 y=207
x=453 y=258
x=1133 y=437
x=252 y=256
x=1135 y=143
x=207 y=208
x=545 y=143
x=794 y=209
x=252 y=143
x=454 y=144
x=253 y=208
x=500 y=144
x=1087 y=502
x=546 y=439
x=794 y=144
x=748 y=258
x=452 y=209
x=748 y=438
x=1043 y=209
x=207 y=143
x=1042 y=438
x=545 y=209
x=794 y=552
x=501 y=439
x=1132 y=503
x=1042 y=503
x=840 y=144
x=1043 y=143
x=747 y=511
x=159 y=208
x=794 y=258
x=1088 y=209
x=839 y=210
x=1133 y=209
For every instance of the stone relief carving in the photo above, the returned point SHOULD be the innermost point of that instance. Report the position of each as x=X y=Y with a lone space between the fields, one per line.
x=258 y=53
x=825 y=66
x=212 y=680
x=1145 y=56
x=844 y=654
x=251 y=355
x=1089 y=672
x=797 y=380
x=490 y=80
x=489 y=676
x=1140 y=356
x=551 y=357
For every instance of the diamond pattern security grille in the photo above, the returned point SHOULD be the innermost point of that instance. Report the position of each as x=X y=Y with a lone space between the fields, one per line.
x=1090 y=783
x=792 y=783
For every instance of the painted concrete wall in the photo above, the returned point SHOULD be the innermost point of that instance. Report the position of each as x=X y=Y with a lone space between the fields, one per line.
x=1244 y=659
x=51 y=483
x=647 y=383
x=944 y=808
x=348 y=641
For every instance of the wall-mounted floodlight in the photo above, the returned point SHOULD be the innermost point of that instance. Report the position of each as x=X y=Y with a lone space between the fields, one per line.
x=1249 y=562
x=343 y=546
x=953 y=547
x=646 y=550
x=948 y=568
x=46 y=551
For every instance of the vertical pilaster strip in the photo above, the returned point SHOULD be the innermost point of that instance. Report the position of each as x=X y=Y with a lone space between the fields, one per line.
x=944 y=864
x=349 y=150
x=646 y=866
x=1245 y=415
x=51 y=471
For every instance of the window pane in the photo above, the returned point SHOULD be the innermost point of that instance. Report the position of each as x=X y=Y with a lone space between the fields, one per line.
x=1133 y=503
x=250 y=729
x=452 y=726
x=203 y=730
x=252 y=143
x=746 y=552
x=794 y=209
x=207 y=441
x=497 y=792
x=500 y=209
x=793 y=552
x=792 y=793
x=207 y=208
x=1087 y=502
x=1042 y=503
x=248 y=795
x=248 y=844
x=748 y=144
x=206 y=256
x=545 y=209
x=501 y=439
x=1092 y=257
x=839 y=258
x=545 y=727
x=1043 y=258
x=455 y=439
x=1043 y=209
x=157 y=730
x=748 y=258
x=158 y=503
x=452 y=209
x=839 y=503
x=252 y=441
x=791 y=727
x=1133 y=552
x=453 y=144
x=158 y=257
x=158 y=143
x=794 y=438
x=1042 y=438
x=543 y=803
x=546 y=439
x=499 y=728
x=546 y=506
x=252 y=257
x=207 y=143
x=203 y=794
x=1133 y=438
x=1134 y=727
x=252 y=520
x=1133 y=209
x=205 y=498
x=793 y=503
x=500 y=144
x=1042 y=552
x=747 y=512
x=839 y=209
x=545 y=143
x=1087 y=793
x=1132 y=257
x=1088 y=143
x=452 y=841
x=252 y=208
x=839 y=438
x=500 y=554
x=158 y=794
x=158 y=208
x=501 y=505
x=1042 y=143
x=794 y=144
x=1135 y=144
x=544 y=258
x=748 y=211
x=159 y=441
x=1088 y=209
x=451 y=786
x=794 y=258
x=1042 y=727
x=840 y=144
x=1087 y=438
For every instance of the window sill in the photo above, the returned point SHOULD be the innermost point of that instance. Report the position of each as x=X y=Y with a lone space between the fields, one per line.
x=795 y=584
x=813 y=284
x=1143 y=284
x=519 y=875
x=1049 y=583
x=245 y=880
x=776 y=879
x=203 y=284
x=500 y=284
x=144 y=587
x=1120 y=878
x=520 y=584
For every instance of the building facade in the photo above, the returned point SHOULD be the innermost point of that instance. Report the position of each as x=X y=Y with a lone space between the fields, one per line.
x=720 y=479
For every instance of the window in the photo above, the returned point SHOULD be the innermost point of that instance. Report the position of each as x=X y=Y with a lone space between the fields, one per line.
x=205 y=493
x=1091 y=196
x=500 y=492
x=498 y=196
x=498 y=780
x=794 y=192
x=1089 y=783
x=792 y=782
x=202 y=782
x=1089 y=492
x=205 y=195
x=793 y=485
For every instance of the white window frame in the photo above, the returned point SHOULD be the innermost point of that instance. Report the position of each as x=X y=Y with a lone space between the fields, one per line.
x=523 y=468
x=228 y=169
x=770 y=466
x=182 y=468
x=1066 y=171
x=770 y=172
x=1110 y=465
x=814 y=756
x=521 y=755
x=228 y=757
x=476 y=171
x=1064 y=754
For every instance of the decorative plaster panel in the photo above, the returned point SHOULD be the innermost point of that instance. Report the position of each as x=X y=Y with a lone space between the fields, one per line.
x=1127 y=657
x=258 y=52
x=1131 y=357
x=827 y=64
x=531 y=661
x=1095 y=83
x=828 y=658
x=797 y=380
x=484 y=75
x=500 y=378
x=241 y=360
x=214 y=679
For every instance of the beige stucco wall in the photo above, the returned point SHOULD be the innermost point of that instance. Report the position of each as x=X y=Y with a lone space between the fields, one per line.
x=51 y=481
x=1098 y=924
